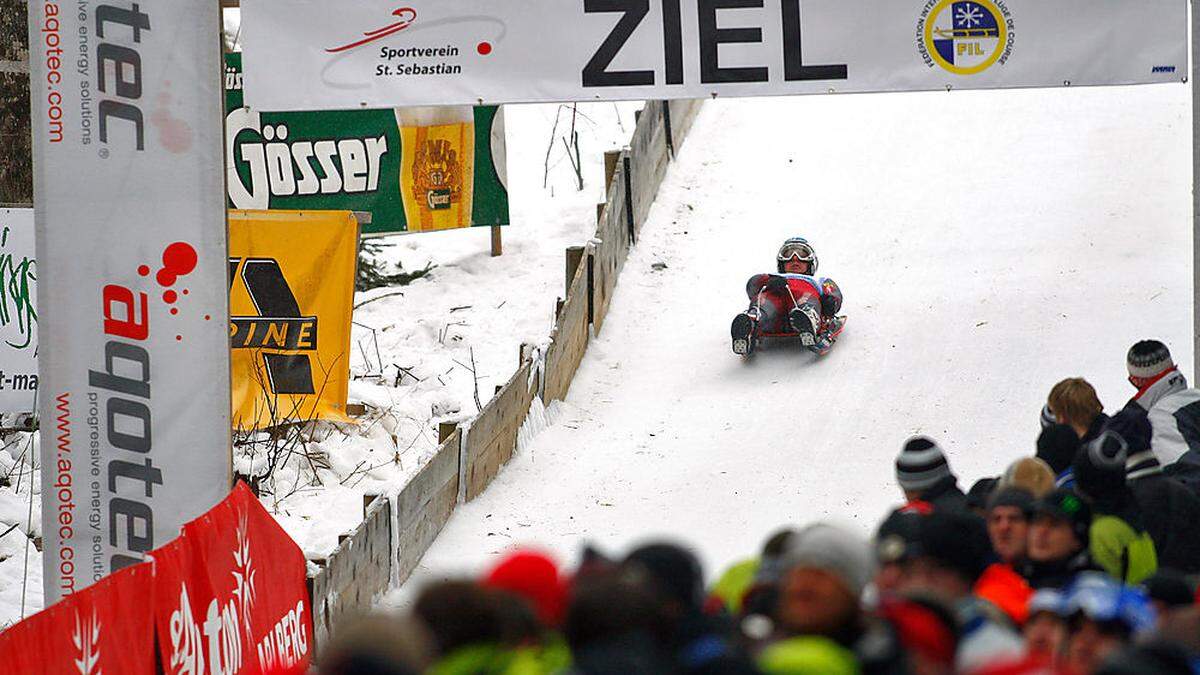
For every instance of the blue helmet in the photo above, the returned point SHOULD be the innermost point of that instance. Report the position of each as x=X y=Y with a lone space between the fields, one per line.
x=797 y=248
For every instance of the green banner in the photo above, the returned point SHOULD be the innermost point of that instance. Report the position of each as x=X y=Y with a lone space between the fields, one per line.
x=356 y=160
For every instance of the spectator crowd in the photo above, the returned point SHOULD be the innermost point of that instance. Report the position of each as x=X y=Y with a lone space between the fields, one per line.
x=1081 y=558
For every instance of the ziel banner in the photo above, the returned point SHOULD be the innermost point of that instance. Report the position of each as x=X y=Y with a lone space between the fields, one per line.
x=130 y=215
x=315 y=54
x=412 y=170
x=18 y=314
x=291 y=295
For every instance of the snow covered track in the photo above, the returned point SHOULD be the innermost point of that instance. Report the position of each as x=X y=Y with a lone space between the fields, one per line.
x=988 y=244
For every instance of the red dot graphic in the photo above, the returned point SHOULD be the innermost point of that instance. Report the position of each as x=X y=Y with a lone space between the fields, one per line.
x=170 y=297
x=185 y=291
x=178 y=338
x=174 y=310
x=144 y=270
x=484 y=48
x=208 y=317
x=165 y=278
x=180 y=258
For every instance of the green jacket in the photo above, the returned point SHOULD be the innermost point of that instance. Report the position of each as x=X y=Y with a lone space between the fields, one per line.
x=808 y=655
x=490 y=659
x=1126 y=554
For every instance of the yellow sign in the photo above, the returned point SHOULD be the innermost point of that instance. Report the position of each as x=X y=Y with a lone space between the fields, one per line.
x=291 y=297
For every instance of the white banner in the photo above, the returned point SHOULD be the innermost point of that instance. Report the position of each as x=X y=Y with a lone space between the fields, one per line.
x=317 y=54
x=18 y=315
x=133 y=298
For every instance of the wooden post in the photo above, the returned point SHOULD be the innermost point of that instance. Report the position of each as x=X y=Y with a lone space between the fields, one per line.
x=600 y=213
x=368 y=499
x=610 y=168
x=497 y=242
x=446 y=430
x=574 y=258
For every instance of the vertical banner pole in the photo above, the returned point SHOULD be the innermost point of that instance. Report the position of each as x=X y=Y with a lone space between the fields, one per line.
x=133 y=296
x=1195 y=41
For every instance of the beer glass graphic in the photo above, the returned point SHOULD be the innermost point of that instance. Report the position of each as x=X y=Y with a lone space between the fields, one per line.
x=437 y=166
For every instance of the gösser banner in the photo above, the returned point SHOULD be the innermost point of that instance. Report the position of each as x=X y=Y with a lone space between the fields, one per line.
x=18 y=313
x=134 y=354
x=412 y=170
x=315 y=54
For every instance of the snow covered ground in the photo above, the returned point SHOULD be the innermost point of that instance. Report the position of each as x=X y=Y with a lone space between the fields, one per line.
x=413 y=346
x=988 y=244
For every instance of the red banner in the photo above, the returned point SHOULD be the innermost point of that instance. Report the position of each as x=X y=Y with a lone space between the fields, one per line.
x=231 y=595
x=107 y=628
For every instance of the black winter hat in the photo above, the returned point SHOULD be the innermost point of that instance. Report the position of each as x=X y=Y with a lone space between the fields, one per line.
x=1100 y=466
x=1170 y=588
x=675 y=571
x=1066 y=504
x=957 y=541
x=899 y=535
x=980 y=492
x=1133 y=425
x=1057 y=446
x=1012 y=496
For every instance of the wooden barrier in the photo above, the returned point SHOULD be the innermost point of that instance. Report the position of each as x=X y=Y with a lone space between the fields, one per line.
x=569 y=340
x=355 y=574
x=611 y=249
x=648 y=158
x=492 y=437
x=425 y=504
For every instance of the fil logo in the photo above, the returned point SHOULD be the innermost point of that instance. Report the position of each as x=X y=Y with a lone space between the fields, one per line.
x=278 y=325
x=406 y=16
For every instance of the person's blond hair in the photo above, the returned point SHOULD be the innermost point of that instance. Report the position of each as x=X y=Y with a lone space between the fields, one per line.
x=1076 y=401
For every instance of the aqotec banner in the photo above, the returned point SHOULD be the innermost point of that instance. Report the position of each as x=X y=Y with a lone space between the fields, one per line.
x=230 y=595
x=134 y=343
x=18 y=313
x=315 y=54
x=412 y=170
x=107 y=628
x=291 y=297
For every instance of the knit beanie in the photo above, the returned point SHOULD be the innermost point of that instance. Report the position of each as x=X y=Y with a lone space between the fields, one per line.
x=921 y=464
x=1012 y=496
x=1066 y=504
x=1057 y=446
x=983 y=488
x=1030 y=474
x=1100 y=466
x=534 y=577
x=832 y=549
x=675 y=571
x=957 y=541
x=1148 y=358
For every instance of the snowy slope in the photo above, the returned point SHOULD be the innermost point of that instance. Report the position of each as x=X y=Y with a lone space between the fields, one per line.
x=988 y=243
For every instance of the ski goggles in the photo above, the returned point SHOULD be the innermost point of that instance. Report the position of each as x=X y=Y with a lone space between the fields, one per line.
x=796 y=252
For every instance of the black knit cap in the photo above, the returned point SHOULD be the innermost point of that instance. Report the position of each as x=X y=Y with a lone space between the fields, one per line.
x=957 y=541
x=1100 y=466
x=1057 y=446
x=898 y=538
x=675 y=571
x=920 y=464
x=1012 y=496
x=1148 y=358
x=981 y=491
x=1066 y=504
